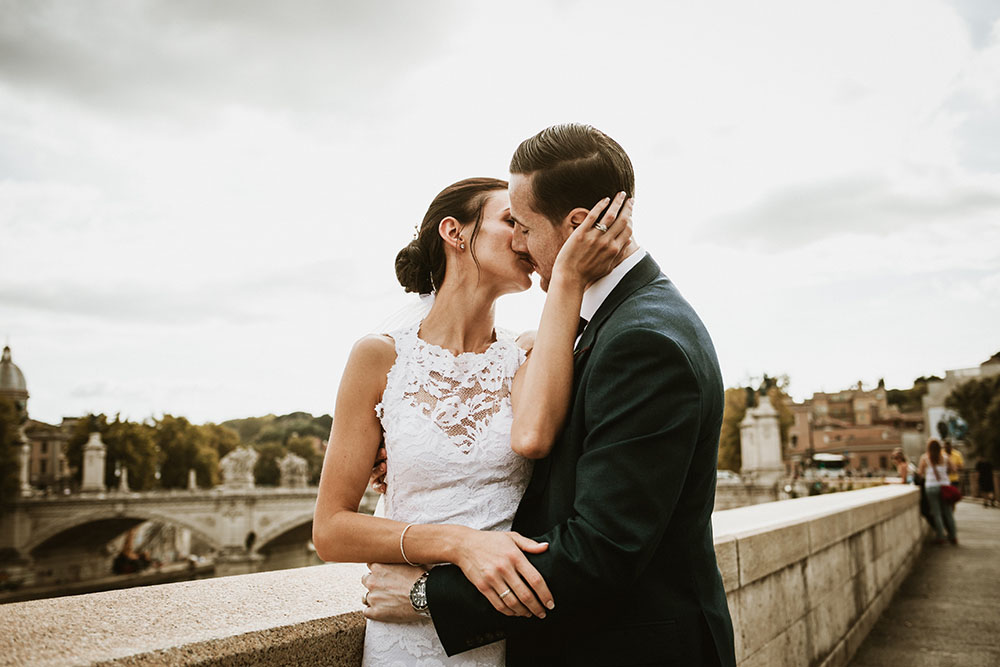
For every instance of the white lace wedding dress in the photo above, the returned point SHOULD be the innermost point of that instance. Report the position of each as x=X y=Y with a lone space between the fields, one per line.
x=447 y=422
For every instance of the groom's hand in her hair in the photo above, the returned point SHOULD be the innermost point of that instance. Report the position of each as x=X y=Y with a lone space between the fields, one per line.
x=389 y=593
x=377 y=479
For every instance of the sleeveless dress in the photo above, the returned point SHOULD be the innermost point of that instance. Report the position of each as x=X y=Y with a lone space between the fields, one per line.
x=446 y=420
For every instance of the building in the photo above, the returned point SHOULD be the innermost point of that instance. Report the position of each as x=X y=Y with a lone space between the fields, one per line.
x=47 y=465
x=855 y=428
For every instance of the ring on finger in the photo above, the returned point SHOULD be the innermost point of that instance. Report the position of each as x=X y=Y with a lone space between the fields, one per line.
x=600 y=226
x=364 y=599
x=505 y=593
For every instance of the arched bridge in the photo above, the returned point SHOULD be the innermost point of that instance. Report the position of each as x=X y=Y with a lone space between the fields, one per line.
x=236 y=523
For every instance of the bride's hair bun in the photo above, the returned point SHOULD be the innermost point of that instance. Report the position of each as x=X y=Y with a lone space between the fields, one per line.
x=420 y=266
x=413 y=270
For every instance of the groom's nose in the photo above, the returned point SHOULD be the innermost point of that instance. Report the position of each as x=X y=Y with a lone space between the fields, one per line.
x=517 y=243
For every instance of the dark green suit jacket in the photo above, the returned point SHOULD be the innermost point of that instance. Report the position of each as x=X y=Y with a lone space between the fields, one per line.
x=624 y=500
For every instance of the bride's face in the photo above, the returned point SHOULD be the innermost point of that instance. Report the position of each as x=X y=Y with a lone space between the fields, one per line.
x=499 y=265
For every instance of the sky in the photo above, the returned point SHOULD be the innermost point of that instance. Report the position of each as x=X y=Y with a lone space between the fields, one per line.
x=201 y=203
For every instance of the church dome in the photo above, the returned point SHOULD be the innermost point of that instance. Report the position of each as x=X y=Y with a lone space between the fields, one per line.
x=12 y=382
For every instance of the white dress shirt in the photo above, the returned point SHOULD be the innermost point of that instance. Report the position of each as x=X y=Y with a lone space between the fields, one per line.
x=595 y=295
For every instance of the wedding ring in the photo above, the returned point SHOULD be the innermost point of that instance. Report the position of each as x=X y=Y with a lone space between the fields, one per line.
x=601 y=226
x=506 y=592
x=364 y=599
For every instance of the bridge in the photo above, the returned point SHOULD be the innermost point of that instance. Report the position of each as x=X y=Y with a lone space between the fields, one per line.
x=807 y=579
x=240 y=526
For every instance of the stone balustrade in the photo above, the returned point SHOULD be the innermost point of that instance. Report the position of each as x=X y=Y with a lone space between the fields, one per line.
x=806 y=579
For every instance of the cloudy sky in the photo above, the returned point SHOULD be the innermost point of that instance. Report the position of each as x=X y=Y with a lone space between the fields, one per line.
x=200 y=202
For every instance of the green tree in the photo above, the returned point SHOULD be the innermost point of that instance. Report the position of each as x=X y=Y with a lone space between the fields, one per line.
x=10 y=450
x=184 y=446
x=910 y=400
x=132 y=446
x=303 y=446
x=978 y=402
x=734 y=410
x=222 y=439
x=266 y=472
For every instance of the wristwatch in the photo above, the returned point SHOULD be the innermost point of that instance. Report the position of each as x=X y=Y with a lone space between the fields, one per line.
x=418 y=595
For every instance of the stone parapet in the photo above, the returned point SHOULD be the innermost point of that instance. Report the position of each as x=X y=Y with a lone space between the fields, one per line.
x=806 y=579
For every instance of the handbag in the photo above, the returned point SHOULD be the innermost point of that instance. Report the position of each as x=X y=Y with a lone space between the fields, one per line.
x=950 y=494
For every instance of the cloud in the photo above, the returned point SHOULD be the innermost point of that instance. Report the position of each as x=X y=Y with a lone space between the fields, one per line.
x=980 y=16
x=801 y=214
x=266 y=296
x=154 y=55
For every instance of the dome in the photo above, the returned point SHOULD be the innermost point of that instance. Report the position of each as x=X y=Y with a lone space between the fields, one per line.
x=12 y=382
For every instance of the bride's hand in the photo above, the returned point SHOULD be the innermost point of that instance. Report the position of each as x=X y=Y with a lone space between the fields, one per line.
x=495 y=563
x=594 y=247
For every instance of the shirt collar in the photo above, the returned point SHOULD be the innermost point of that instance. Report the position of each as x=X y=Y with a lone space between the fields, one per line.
x=595 y=295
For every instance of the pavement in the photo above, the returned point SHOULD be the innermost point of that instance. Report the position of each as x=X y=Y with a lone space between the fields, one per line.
x=947 y=612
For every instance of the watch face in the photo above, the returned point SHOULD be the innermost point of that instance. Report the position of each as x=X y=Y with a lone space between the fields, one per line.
x=418 y=594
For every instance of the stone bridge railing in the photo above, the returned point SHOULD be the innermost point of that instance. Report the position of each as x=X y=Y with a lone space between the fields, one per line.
x=806 y=580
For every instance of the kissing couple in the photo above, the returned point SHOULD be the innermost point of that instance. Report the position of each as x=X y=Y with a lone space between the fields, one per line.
x=549 y=495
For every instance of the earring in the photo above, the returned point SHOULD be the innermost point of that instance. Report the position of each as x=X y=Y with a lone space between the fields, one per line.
x=462 y=245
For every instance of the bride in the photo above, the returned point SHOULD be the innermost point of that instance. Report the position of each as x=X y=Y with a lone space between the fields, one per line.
x=462 y=408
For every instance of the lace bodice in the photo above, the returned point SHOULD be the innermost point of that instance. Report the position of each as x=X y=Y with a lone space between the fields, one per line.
x=447 y=420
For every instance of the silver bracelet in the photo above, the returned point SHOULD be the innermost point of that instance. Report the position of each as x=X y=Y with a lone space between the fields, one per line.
x=401 y=536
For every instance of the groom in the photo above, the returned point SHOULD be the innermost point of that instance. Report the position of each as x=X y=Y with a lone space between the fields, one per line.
x=626 y=496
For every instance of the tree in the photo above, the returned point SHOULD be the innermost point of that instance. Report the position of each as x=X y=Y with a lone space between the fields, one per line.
x=910 y=400
x=221 y=438
x=735 y=409
x=131 y=445
x=266 y=472
x=184 y=446
x=10 y=450
x=978 y=402
x=303 y=446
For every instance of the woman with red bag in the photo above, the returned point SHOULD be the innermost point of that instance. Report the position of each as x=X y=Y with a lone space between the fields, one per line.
x=934 y=467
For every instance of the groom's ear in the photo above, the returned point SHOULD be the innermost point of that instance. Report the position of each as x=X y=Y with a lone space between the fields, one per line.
x=576 y=217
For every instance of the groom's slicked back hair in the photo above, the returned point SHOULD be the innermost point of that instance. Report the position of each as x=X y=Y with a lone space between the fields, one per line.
x=572 y=166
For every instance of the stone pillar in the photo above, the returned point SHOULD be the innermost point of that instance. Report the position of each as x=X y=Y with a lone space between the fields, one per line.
x=123 y=481
x=25 y=468
x=93 y=463
x=192 y=480
x=760 y=444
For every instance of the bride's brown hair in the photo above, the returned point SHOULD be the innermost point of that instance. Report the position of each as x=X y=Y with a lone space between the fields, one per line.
x=420 y=266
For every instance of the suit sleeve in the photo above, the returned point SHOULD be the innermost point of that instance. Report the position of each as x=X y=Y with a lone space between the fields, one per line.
x=643 y=414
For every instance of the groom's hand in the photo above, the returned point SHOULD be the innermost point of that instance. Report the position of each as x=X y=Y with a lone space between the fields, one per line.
x=389 y=593
x=377 y=478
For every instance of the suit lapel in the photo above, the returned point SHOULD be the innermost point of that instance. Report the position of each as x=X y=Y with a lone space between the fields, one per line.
x=640 y=275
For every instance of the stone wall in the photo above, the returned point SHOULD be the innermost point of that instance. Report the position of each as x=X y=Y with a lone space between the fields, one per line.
x=806 y=579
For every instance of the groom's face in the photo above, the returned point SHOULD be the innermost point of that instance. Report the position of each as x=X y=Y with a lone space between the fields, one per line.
x=535 y=236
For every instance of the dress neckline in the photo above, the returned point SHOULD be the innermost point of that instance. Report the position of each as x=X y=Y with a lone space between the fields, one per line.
x=443 y=351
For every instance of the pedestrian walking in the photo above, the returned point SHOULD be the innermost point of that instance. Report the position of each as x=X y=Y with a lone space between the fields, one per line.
x=934 y=468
